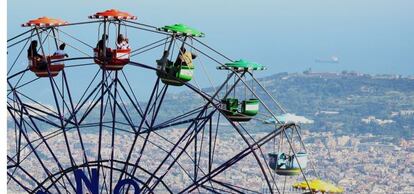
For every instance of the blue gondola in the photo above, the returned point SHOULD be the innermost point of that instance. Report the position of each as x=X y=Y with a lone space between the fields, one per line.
x=287 y=165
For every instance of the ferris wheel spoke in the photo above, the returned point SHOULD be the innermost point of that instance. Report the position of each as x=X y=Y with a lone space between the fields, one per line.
x=37 y=112
x=214 y=190
x=108 y=103
x=180 y=119
x=22 y=85
x=151 y=48
x=135 y=104
x=141 y=24
x=16 y=74
x=33 y=149
x=211 y=48
x=16 y=166
x=232 y=187
x=185 y=133
x=35 y=103
x=21 y=34
x=136 y=165
x=253 y=152
x=24 y=39
x=113 y=129
x=89 y=103
x=18 y=182
x=74 y=38
x=72 y=108
x=104 y=182
x=203 y=53
x=154 y=108
x=47 y=172
x=141 y=65
x=122 y=109
x=39 y=118
x=44 y=141
x=244 y=138
x=197 y=128
x=20 y=157
x=145 y=29
x=144 y=118
x=133 y=52
x=17 y=82
x=236 y=158
x=61 y=118
x=104 y=87
x=211 y=99
x=177 y=123
x=169 y=153
x=92 y=105
x=261 y=153
x=126 y=113
x=86 y=91
x=166 y=151
x=200 y=152
x=18 y=56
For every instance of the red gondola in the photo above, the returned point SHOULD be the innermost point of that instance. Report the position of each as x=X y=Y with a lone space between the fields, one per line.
x=51 y=69
x=44 y=66
x=119 y=57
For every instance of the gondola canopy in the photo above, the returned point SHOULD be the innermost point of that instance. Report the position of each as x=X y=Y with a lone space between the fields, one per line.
x=113 y=14
x=242 y=65
x=182 y=29
x=44 y=22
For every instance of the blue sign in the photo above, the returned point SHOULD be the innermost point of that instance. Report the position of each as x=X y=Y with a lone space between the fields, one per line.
x=93 y=184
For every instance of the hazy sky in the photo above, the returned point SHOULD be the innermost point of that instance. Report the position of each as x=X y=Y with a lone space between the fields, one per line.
x=372 y=36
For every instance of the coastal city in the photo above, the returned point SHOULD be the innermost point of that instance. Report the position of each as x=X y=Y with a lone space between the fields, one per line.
x=359 y=164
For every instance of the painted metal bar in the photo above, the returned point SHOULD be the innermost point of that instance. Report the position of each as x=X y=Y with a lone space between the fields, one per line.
x=113 y=129
x=125 y=168
x=236 y=158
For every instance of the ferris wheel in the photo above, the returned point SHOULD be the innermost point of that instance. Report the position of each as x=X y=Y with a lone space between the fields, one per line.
x=80 y=122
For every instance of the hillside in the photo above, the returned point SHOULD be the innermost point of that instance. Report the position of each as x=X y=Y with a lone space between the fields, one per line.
x=342 y=102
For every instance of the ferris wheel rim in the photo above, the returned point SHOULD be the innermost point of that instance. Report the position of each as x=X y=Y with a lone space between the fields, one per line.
x=140 y=65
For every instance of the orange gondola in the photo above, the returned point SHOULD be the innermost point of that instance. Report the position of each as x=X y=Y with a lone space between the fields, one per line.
x=118 y=57
x=52 y=69
x=44 y=66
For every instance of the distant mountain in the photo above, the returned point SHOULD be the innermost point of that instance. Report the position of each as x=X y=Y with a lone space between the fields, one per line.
x=345 y=103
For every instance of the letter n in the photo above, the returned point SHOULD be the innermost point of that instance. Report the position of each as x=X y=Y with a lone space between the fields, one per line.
x=92 y=185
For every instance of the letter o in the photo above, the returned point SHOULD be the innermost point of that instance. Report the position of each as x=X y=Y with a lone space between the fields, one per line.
x=121 y=183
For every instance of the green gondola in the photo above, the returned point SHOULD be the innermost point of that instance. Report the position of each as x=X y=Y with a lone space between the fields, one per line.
x=175 y=75
x=250 y=107
x=231 y=110
x=181 y=71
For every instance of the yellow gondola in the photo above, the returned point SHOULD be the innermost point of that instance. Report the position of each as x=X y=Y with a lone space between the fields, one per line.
x=317 y=185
